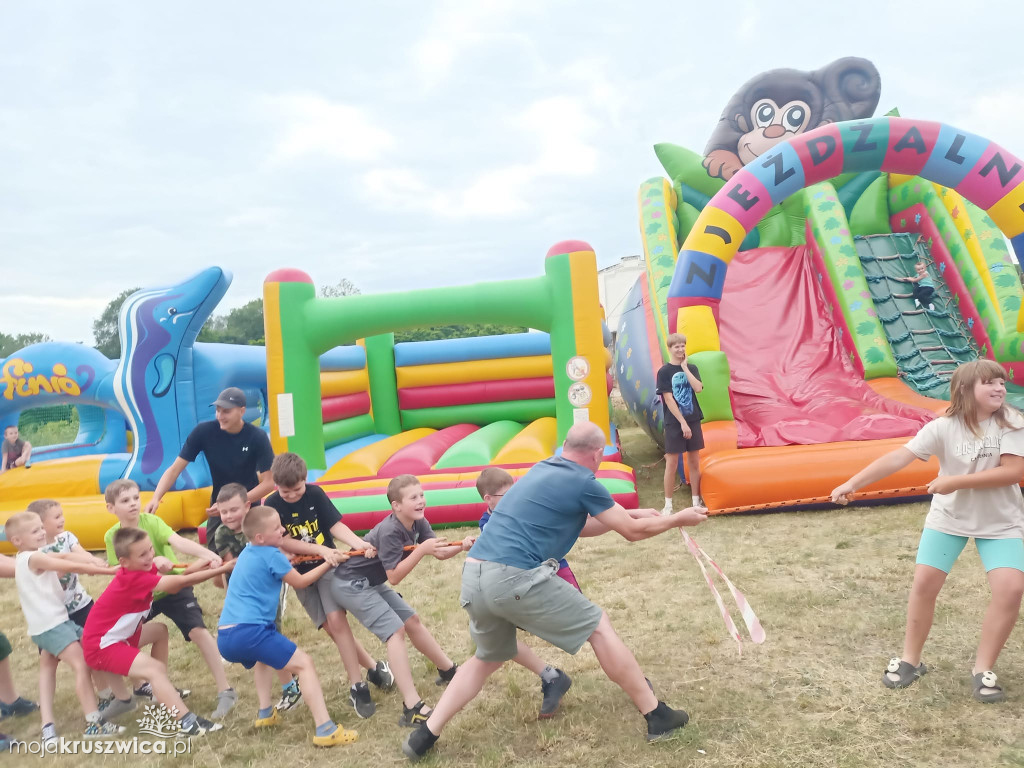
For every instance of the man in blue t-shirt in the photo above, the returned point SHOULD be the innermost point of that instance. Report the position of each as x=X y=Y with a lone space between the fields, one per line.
x=508 y=581
x=236 y=451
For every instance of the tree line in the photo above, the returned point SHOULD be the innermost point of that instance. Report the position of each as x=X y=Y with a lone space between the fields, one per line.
x=243 y=325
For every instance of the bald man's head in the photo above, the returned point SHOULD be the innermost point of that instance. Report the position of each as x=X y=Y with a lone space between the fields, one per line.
x=584 y=444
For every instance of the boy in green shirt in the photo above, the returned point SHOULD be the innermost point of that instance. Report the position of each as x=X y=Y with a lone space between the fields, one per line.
x=122 y=497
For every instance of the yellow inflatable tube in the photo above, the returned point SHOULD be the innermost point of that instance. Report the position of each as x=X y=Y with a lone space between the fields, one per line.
x=476 y=370
x=535 y=443
x=335 y=383
x=369 y=459
x=87 y=517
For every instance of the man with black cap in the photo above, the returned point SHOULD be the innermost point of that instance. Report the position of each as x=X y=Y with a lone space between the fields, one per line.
x=236 y=451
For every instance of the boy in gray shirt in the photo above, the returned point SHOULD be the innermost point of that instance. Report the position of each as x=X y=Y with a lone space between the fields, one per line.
x=361 y=587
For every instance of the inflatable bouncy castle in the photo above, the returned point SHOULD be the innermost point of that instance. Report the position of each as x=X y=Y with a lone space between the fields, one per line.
x=441 y=410
x=786 y=255
x=133 y=413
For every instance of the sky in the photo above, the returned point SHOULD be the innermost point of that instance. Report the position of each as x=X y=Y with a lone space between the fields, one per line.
x=396 y=144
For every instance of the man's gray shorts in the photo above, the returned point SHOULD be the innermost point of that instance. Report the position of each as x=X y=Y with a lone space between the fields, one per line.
x=380 y=609
x=499 y=598
x=318 y=600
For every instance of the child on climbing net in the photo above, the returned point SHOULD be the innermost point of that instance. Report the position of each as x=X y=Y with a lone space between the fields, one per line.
x=980 y=446
x=924 y=288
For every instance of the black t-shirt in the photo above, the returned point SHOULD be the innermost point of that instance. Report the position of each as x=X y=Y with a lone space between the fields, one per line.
x=672 y=380
x=233 y=458
x=309 y=519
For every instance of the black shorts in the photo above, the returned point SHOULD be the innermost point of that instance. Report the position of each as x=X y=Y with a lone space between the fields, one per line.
x=81 y=614
x=182 y=608
x=923 y=293
x=675 y=442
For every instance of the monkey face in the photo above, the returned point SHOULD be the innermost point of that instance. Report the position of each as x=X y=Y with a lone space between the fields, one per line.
x=769 y=124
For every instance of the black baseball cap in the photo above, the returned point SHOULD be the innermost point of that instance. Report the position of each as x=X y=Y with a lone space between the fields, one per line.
x=232 y=397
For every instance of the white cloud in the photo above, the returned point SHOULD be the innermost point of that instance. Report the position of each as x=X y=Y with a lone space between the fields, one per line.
x=559 y=131
x=317 y=126
x=458 y=27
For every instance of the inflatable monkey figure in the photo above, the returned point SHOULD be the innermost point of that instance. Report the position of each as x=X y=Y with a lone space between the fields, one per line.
x=778 y=105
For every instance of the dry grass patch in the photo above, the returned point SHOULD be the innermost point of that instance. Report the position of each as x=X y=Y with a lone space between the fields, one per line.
x=830 y=588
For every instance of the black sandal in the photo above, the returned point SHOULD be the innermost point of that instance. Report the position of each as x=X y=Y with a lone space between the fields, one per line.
x=987 y=680
x=908 y=673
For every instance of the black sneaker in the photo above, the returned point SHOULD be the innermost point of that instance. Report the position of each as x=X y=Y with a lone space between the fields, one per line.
x=413 y=716
x=662 y=720
x=200 y=727
x=17 y=708
x=359 y=697
x=553 y=693
x=443 y=678
x=381 y=676
x=145 y=691
x=418 y=743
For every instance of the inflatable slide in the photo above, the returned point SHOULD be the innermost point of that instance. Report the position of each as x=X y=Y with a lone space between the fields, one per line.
x=790 y=285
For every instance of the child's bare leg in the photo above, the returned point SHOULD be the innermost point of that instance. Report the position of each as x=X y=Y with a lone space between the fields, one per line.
x=145 y=667
x=1007 y=586
x=671 y=466
x=693 y=465
x=300 y=664
x=283 y=677
x=425 y=643
x=154 y=634
x=365 y=659
x=208 y=648
x=928 y=582
x=398 y=658
x=114 y=682
x=72 y=656
x=8 y=693
x=528 y=658
x=341 y=633
x=47 y=685
x=264 y=679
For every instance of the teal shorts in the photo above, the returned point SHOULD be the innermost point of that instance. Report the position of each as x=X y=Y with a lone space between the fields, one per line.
x=940 y=550
x=60 y=637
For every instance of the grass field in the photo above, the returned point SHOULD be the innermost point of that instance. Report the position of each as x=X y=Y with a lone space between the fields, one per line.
x=830 y=588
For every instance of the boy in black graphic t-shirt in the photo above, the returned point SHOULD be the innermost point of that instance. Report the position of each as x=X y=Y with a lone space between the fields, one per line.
x=678 y=384
x=313 y=523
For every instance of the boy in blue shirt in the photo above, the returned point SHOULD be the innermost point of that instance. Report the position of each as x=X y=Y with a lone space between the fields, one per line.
x=246 y=633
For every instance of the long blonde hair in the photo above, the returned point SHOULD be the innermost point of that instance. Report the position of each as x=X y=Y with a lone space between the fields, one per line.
x=962 y=404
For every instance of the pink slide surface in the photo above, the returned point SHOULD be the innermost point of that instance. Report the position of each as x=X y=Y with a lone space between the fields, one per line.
x=790 y=381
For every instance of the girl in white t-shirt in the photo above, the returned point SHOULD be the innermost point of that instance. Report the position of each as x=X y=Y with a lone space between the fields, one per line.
x=980 y=447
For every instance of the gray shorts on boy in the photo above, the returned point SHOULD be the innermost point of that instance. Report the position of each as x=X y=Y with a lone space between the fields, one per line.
x=380 y=609
x=499 y=598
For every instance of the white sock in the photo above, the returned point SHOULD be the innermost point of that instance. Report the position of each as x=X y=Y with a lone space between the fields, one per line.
x=668 y=502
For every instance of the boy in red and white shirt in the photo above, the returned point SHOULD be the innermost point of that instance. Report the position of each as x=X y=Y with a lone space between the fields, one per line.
x=114 y=629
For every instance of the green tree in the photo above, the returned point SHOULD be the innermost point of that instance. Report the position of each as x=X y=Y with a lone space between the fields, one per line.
x=104 y=328
x=242 y=325
x=10 y=344
x=343 y=287
x=456 y=332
